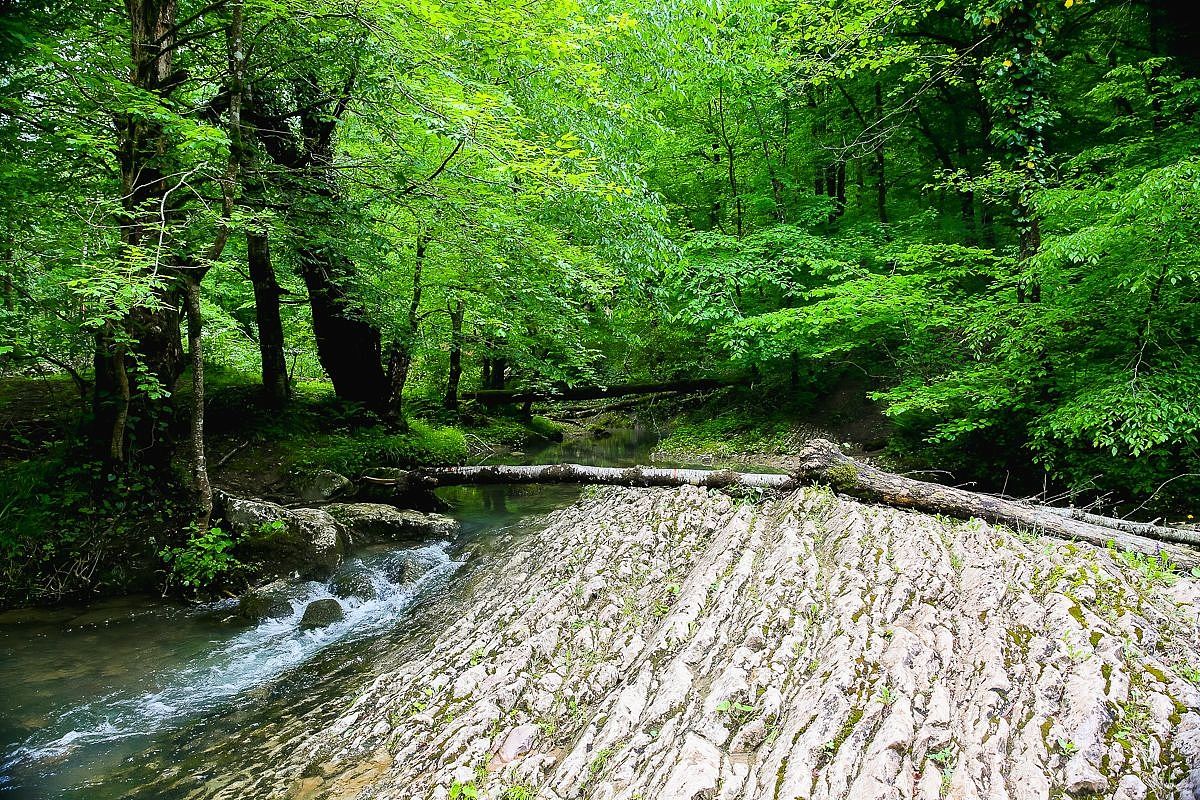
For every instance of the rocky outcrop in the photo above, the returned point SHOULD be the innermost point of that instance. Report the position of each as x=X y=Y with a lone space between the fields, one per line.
x=321 y=486
x=679 y=645
x=284 y=541
x=371 y=523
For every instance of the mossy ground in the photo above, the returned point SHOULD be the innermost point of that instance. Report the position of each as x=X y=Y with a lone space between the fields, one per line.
x=746 y=426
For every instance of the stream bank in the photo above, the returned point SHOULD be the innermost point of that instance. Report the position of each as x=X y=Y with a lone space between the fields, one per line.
x=187 y=701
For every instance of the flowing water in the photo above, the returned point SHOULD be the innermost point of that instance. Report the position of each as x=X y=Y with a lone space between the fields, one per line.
x=140 y=698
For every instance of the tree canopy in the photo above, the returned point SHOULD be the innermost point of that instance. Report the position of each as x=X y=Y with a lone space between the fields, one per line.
x=992 y=209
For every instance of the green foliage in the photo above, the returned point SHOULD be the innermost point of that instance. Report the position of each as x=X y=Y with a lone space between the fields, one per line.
x=989 y=209
x=361 y=449
x=546 y=428
x=512 y=432
x=70 y=528
x=202 y=560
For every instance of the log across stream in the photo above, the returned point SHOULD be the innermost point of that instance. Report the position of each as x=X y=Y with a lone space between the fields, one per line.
x=823 y=463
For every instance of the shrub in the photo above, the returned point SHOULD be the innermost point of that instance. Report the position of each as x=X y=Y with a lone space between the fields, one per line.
x=205 y=558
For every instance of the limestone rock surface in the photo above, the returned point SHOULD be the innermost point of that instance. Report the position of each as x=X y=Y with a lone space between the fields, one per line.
x=681 y=645
x=308 y=541
x=371 y=523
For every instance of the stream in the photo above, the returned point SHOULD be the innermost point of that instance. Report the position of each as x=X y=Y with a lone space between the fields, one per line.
x=143 y=698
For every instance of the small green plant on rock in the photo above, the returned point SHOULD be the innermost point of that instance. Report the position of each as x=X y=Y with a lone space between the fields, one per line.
x=738 y=712
x=202 y=560
x=1155 y=570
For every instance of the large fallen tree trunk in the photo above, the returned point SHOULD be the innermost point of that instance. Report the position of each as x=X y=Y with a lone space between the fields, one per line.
x=822 y=462
x=433 y=477
x=493 y=397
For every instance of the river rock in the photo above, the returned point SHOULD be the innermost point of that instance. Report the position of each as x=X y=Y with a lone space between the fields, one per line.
x=322 y=485
x=371 y=523
x=266 y=602
x=519 y=741
x=676 y=644
x=320 y=613
x=354 y=581
x=283 y=541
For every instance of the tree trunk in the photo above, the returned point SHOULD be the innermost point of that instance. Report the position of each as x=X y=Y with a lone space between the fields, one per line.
x=433 y=477
x=840 y=197
x=199 y=465
x=400 y=356
x=501 y=397
x=880 y=161
x=497 y=377
x=142 y=349
x=822 y=463
x=276 y=385
x=1175 y=25
x=348 y=345
x=454 y=372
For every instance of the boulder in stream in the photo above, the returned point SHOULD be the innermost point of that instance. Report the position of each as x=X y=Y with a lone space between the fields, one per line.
x=678 y=644
x=320 y=613
x=371 y=523
x=266 y=602
x=354 y=581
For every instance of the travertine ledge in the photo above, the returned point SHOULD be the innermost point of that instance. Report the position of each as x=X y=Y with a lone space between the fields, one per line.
x=678 y=644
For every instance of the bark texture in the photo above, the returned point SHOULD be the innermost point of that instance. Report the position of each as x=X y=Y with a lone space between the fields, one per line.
x=275 y=381
x=454 y=368
x=433 y=477
x=822 y=462
x=491 y=397
x=129 y=414
x=682 y=646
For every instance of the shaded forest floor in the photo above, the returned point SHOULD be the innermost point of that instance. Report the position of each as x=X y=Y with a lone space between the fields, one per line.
x=255 y=449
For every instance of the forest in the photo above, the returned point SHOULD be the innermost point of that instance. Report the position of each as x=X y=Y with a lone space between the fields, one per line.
x=340 y=225
x=599 y=399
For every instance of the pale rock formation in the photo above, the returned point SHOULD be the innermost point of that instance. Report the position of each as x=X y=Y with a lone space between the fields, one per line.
x=682 y=645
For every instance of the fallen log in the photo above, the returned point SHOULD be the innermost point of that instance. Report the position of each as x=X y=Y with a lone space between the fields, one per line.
x=821 y=462
x=641 y=477
x=1166 y=533
x=493 y=397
